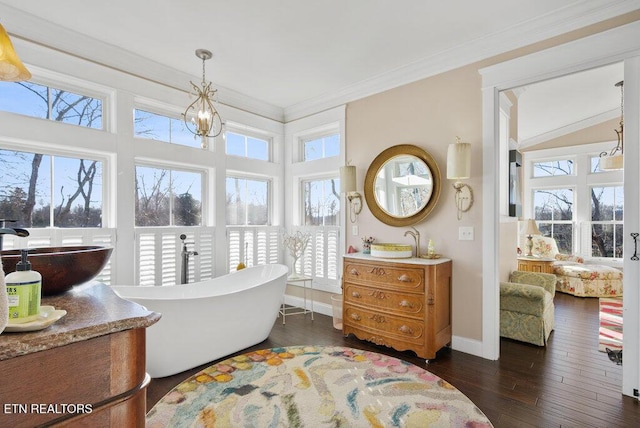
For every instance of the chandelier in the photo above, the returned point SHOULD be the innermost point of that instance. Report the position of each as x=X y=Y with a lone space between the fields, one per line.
x=613 y=160
x=201 y=118
x=11 y=68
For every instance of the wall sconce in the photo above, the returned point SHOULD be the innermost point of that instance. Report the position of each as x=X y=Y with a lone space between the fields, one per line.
x=11 y=68
x=348 y=187
x=459 y=168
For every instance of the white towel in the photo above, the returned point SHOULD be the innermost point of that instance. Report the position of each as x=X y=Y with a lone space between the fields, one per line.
x=4 y=302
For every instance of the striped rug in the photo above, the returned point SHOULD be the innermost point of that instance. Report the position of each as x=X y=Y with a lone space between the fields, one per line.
x=610 y=324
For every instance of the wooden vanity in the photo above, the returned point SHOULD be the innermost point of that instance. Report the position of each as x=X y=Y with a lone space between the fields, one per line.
x=404 y=304
x=87 y=369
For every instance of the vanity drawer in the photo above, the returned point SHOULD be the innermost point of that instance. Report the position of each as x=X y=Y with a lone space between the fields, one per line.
x=384 y=275
x=393 y=327
x=384 y=300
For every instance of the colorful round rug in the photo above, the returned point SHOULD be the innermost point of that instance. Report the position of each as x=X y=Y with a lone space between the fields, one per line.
x=313 y=386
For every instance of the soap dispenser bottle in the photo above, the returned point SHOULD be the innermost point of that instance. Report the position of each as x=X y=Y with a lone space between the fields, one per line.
x=23 y=290
x=431 y=248
x=4 y=301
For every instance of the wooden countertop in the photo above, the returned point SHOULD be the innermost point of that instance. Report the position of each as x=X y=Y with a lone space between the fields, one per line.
x=93 y=310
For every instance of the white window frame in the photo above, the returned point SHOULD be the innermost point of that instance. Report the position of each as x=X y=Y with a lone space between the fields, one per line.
x=581 y=181
x=154 y=163
x=270 y=185
x=249 y=132
x=52 y=79
x=326 y=123
x=319 y=133
x=108 y=172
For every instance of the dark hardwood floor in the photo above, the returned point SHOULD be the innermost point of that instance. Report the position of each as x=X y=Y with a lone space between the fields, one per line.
x=568 y=383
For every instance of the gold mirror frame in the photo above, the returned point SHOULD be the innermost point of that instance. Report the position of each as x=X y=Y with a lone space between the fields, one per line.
x=372 y=172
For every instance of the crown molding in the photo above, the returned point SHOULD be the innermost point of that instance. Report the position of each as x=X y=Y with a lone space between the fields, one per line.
x=565 y=20
x=44 y=33
x=38 y=31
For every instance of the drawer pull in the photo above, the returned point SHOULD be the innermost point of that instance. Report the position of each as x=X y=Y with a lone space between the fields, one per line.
x=378 y=318
x=378 y=294
x=355 y=294
x=404 y=278
x=406 y=304
x=354 y=272
x=355 y=317
x=378 y=271
x=405 y=329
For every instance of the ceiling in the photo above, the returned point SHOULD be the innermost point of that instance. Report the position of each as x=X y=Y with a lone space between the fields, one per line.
x=289 y=53
x=557 y=107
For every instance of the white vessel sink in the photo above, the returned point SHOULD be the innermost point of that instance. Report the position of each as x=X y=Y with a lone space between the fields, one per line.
x=391 y=251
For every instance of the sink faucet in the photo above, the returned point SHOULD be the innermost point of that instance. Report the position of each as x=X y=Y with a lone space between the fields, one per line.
x=416 y=238
x=184 y=274
x=23 y=233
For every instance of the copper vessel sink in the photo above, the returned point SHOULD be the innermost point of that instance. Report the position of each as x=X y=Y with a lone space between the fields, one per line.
x=61 y=267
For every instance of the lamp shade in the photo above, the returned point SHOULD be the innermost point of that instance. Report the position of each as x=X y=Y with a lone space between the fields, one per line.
x=612 y=163
x=11 y=68
x=531 y=228
x=347 y=179
x=459 y=161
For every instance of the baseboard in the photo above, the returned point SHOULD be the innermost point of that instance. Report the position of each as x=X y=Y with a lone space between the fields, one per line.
x=468 y=346
x=321 y=308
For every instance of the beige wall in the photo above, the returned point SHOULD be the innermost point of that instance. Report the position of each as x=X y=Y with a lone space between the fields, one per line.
x=430 y=113
x=422 y=113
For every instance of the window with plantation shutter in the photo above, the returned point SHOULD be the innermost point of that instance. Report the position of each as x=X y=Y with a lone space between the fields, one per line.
x=320 y=259
x=253 y=245
x=159 y=260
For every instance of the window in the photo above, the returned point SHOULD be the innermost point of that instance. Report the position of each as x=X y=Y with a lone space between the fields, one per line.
x=246 y=146
x=320 y=148
x=553 y=211
x=41 y=190
x=607 y=221
x=553 y=168
x=321 y=202
x=163 y=128
x=166 y=197
x=247 y=201
x=31 y=99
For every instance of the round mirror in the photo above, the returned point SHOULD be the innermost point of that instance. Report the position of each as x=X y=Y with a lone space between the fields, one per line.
x=402 y=185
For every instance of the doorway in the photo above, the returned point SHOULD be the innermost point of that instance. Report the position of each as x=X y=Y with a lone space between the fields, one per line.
x=583 y=54
x=558 y=128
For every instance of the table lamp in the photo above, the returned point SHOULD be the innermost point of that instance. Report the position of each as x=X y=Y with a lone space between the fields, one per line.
x=530 y=228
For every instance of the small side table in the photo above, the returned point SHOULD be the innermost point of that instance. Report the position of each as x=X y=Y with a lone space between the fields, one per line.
x=535 y=264
x=307 y=283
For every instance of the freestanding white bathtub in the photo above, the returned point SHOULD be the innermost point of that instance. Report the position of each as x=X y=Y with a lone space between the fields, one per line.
x=207 y=320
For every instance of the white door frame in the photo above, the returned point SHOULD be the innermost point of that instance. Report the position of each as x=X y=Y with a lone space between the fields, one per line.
x=615 y=45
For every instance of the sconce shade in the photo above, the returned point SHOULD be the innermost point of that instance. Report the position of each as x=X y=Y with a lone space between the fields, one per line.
x=531 y=228
x=459 y=161
x=347 y=179
x=11 y=68
x=612 y=163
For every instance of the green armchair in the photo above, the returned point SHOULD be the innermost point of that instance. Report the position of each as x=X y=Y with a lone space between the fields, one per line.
x=526 y=307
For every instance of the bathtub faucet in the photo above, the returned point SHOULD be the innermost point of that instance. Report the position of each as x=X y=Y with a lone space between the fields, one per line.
x=23 y=233
x=184 y=274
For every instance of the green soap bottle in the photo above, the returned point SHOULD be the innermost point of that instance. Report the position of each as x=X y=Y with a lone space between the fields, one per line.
x=23 y=291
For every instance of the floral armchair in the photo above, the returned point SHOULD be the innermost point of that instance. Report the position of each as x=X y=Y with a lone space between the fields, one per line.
x=526 y=307
x=576 y=277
